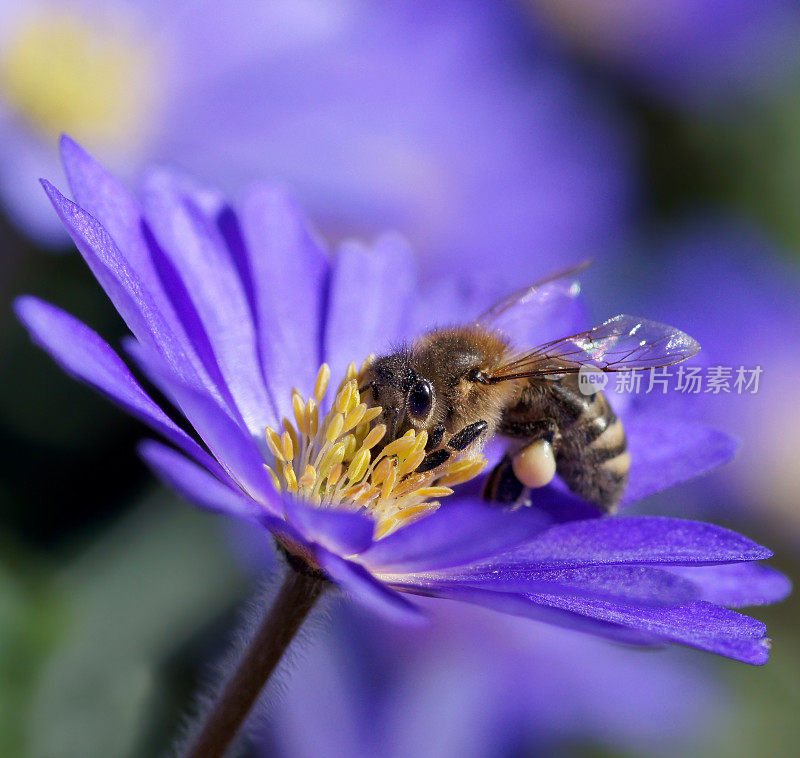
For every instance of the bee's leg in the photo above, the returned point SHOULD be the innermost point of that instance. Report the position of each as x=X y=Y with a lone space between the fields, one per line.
x=433 y=460
x=467 y=436
x=502 y=485
x=435 y=437
x=458 y=442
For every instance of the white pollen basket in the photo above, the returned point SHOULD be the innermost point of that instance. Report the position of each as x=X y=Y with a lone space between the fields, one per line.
x=332 y=462
x=535 y=466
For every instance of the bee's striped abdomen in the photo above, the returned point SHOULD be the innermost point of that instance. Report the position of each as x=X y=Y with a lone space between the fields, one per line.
x=592 y=455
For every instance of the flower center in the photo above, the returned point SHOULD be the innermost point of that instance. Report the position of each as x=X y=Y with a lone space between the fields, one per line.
x=333 y=462
x=65 y=72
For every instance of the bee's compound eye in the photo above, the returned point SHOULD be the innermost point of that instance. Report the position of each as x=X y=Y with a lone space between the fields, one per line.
x=420 y=399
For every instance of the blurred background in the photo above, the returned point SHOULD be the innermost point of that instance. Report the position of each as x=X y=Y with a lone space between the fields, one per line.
x=660 y=138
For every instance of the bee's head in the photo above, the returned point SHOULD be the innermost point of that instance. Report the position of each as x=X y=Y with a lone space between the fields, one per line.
x=408 y=399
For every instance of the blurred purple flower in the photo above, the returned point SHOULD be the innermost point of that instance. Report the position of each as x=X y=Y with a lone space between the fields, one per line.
x=233 y=306
x=481 y=685
x=743 y=304
x=430 y=118
x=691 y=52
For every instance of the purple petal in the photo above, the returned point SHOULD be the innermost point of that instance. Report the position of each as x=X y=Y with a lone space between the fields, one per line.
x=103 y=196
x=210 y=279
x=699 y=624
x=630 y=540
x=231 y=445
x=126 y=290
x=83 y=354
x=630 y=584
x=362 y=317
x=289 y=270
x=737 y=585
x=355 y=580
x=341 y=532
x=666 y=452
x=516 y=604
x=459 y=532
x=197 y=485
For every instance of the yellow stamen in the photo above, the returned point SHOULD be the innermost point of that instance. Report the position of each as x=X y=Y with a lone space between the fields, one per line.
x=321 y=385
x=287 y=447
x=274 y=445
x=331 y=462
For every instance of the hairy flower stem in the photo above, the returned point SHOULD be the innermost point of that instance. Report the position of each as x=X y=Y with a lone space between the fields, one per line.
x=295 y=599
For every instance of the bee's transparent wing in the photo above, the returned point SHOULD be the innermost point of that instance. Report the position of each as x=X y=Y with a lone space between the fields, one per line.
x=623 y=343
x=540 y=310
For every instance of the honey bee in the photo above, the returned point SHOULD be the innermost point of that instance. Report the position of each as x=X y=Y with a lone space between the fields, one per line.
x=465 y=384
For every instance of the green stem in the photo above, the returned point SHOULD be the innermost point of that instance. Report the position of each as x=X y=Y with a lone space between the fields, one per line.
x=296 y=598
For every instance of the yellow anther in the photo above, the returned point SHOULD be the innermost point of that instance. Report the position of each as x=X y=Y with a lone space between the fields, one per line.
x=409 y=483
x=345 y=394
x=300 y=415
x=274 y=444
x=388 y=483
x=458 y=473
x=335 y=474
x=292 y=432
x=321 y=385
x=382 y=470
x=352 y=372
x=375 y=435
x=309 y=478
x=385 y=527
x=287 y=446
x=350 y=446
x=422 y=440
x=289 y=476
x=433 y=492
x=358 y=466
x=335 y=427
x=276 y=483
x=371 y=415
x=331 y=458
x=354 y=417
x=398 y=446
x=411 y=463
x=312 y=417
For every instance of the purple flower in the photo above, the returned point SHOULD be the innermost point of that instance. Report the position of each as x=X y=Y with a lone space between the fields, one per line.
x=748 y=298
x=430 y=118
x=233 y=306
x=481 y=685
x=690 y=52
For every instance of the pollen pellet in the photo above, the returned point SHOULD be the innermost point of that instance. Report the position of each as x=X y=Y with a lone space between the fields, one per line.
x=535 y=466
